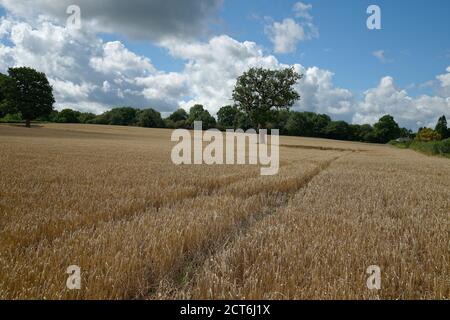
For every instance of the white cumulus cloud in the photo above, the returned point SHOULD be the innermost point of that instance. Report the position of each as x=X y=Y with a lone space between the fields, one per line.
x=286 y=35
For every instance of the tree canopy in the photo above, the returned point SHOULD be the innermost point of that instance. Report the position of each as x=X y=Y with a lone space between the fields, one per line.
x=260 y=91
x=227 y=116
x=179 y=115
x=441 y=128
x=427 y=135
x=68 y=116
x=27 y=91
x=149 y=118
x=3 y=79
x=199 y=113
x=386 y=129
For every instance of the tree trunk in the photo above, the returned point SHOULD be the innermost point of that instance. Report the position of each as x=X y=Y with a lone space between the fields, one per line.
x=28 y=123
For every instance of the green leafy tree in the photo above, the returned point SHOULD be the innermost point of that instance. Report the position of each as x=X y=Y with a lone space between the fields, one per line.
x=227 y=116
x=86 y=117
x=150 y=118
x=307 y=124
x=338 y=130
x=198 y=113
x=3 y=83
x=243 y=121
x=427 y=135
x=123 y=116
x=298 y=125
x=179 y=115
x=259 y=91
x=362 y=133
x=280 y=121
x=386 y=129
x=68 y=116
x=441 y=128
x=320 y=122
x=27 y=91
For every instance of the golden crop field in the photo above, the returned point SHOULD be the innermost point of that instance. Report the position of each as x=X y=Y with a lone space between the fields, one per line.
x=109 y=200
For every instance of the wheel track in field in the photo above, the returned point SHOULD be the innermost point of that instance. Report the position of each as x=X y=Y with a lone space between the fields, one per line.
x=177 y=280
x=125 y=214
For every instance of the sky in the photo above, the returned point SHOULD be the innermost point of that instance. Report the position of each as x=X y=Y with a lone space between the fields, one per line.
x=168 y=54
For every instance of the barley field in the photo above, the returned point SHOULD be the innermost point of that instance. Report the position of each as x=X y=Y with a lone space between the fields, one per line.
x=109 y=200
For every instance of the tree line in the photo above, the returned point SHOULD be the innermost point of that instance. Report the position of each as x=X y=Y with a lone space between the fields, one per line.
x=262 y=99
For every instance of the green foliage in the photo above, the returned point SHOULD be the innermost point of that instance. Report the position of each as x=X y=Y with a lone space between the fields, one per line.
x=3 y=82
x=122 y=116
x=307 y=124
x=68 y=116
x=150 y=118
x=430 y=147
x=243 y=121
x=227 y=117
x=339 y=130
x=386 y=129
x=12 y=118
x=258 y=91
x=126 y=116
x=27 y=91
x=178 y=119
x=280 y=121
x=363 y=133
x=179 y=115
x=441 y=128
x=427 y=135
x=298 y=125
x=442 y=147
x=198 y=113
x=86 y=117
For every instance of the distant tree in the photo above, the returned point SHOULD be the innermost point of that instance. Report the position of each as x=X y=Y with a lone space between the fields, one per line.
x=179 y=115
x=406 y=133
x=259 y=91
x=68 y=116
x=386 y=129
x=299 y=125
x=3 y=83
x=307 y=124
x=86 y=117
x=27 y=91
x=355 y=132
x=441 y=128
x=243 y=121
x=227 y=116
x=427 y=135
x=366 y=133
x=149 y=118
x=280 y=121
x=122 y=116
x=198 y=113
x=338 y=130
x=320 y=122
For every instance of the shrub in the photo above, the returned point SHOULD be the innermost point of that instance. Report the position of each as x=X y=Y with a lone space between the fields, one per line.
x=12 y=118
x=427 y=135
x=442 y=147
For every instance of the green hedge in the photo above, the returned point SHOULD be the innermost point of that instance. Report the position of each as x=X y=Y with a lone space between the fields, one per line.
x=432 y=148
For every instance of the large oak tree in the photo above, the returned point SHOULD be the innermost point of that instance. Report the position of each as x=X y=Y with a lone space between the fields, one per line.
x=258 y=92
x=27 y=91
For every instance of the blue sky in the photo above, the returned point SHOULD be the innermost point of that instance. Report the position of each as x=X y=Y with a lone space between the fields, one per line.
x=415 y=36
x=169 y=53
